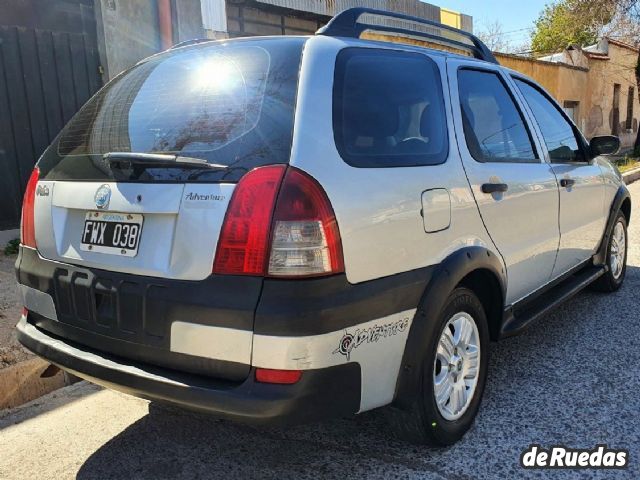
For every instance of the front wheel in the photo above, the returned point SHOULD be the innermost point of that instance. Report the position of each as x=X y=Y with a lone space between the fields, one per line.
x=612 y=279
x=454 y=372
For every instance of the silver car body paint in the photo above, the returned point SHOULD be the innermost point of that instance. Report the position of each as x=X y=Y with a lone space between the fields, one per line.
x=584 y=206
x=228 y=344
x=377 y=345
x=523 y=221
x=387 y=225
x=37 y=301
x=582 y=214
x=379 y=203
x=179 y=236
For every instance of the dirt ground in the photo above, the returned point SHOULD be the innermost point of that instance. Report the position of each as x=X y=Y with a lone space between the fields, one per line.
x=11 y=352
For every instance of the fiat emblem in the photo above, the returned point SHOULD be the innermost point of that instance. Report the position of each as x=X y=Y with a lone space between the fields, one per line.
x=102 y=197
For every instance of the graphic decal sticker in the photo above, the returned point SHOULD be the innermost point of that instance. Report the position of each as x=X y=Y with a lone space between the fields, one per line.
x=373 y=334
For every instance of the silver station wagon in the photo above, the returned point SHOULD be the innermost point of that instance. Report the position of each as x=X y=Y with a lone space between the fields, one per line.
x=285 y=229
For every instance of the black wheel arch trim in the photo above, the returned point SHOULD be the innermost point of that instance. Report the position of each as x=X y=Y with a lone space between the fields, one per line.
x=622 y=195
x=449 y=274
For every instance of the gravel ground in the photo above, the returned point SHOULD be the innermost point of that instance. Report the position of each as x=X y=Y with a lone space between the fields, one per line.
x=11 y=351
x=572 y=380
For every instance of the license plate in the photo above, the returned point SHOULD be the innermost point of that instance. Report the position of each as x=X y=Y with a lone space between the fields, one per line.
x=113 y=233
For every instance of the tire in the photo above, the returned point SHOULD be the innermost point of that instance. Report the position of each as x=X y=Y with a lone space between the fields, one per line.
x=425 y=422
x=613 y=278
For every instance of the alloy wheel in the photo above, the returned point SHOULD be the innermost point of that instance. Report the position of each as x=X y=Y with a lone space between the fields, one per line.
x=457 y=366
x=618 y=250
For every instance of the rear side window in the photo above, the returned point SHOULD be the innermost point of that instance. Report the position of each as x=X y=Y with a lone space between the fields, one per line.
x=494 y=128
x=558 y=134
x=388 y=109
x=231 y=104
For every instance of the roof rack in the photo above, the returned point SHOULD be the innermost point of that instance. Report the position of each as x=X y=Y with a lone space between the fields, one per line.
x=345 y=24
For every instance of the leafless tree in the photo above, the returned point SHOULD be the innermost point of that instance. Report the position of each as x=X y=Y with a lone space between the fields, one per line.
x=493 y=36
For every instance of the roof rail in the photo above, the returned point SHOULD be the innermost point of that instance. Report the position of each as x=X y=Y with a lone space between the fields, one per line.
x=345 y=24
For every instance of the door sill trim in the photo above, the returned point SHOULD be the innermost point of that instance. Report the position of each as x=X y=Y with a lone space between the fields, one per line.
x=519 y=316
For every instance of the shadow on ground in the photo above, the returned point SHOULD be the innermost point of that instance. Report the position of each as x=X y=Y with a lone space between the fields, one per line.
x=556 y=384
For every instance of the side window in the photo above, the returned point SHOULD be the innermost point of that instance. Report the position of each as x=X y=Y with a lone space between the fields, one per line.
x=388 y=109
x=494 y=128
x=558 y=133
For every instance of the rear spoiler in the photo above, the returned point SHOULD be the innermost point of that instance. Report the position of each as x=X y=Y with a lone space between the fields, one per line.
x=346 y=24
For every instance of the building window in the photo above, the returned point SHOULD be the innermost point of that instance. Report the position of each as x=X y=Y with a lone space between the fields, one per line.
x=615 y=114
x=571 y=109
x=629 y=122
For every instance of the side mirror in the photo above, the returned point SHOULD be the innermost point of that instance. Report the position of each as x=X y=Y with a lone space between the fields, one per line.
x=604 y=145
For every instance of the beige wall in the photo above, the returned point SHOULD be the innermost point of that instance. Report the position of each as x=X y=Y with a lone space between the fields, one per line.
x=563 y=82
x=591 y=87
x=603 y=74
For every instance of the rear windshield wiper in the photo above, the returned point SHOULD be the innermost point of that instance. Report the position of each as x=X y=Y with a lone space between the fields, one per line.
x=129 y=159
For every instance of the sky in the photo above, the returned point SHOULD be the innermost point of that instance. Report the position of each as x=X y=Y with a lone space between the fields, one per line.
x=516 y=16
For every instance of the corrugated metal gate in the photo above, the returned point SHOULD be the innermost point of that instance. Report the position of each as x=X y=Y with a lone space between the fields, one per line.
x=49 y=66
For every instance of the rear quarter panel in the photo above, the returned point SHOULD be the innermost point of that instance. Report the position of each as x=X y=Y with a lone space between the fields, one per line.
x=378 y=209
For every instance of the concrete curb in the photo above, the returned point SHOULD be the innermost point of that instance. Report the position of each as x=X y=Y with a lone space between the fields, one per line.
x=631 y=176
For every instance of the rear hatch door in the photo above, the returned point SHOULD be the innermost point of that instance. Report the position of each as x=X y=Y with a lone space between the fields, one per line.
x=139 y=181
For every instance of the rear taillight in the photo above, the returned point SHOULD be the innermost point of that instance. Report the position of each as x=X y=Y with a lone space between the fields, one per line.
x=280 y=225
x=305 y=238
x=27 y=229
x=244 y=238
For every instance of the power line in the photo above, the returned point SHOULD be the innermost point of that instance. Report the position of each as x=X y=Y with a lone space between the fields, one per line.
x=510 y=32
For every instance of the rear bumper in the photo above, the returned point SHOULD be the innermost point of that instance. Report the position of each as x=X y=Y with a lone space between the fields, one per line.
x=127 y=332
x=321 y=393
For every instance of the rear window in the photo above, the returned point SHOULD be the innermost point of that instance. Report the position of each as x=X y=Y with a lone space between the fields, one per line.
x=231 y=104
x=388 y=109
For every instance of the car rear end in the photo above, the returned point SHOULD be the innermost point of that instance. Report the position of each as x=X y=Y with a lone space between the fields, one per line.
x=165 y=217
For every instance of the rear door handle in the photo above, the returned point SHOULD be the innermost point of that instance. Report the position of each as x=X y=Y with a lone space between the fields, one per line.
x=494 y=187
x=567 y=182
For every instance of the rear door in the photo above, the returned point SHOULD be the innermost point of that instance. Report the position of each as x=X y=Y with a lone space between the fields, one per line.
x=582 y=209
x=514 y=188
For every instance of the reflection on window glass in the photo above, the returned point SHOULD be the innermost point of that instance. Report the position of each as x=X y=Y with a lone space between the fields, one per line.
x=230 y=103
x=388 y=109
x=557 y=132
x=199 y=100
x=493 y=126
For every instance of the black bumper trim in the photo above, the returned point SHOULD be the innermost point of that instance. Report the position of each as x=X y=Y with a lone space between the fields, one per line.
x=132 y=315
x=146 y=306
x=139 y=308
x=315 y=306
x=135 y=352
x=321 y=393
